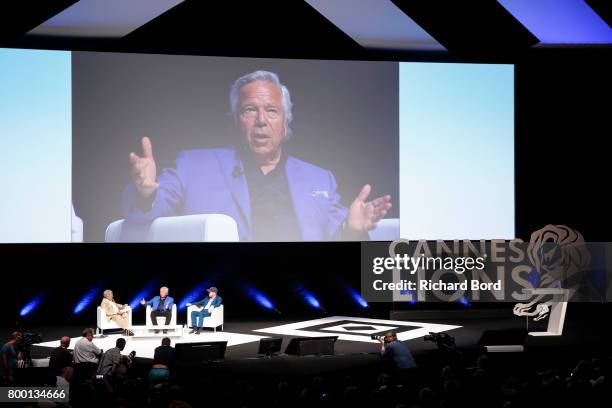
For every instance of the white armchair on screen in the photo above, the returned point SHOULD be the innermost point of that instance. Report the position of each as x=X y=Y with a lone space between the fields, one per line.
x=76 y=230
x=161 y=321
x=388 y=229
x=104 y=324
x=213 y=321
x=186 y=228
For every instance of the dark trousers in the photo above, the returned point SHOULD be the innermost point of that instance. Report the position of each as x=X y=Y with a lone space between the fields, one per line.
x=165 y=313
x=84 y=372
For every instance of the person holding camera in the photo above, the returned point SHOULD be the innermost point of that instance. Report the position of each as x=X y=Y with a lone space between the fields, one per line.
x=391 y=347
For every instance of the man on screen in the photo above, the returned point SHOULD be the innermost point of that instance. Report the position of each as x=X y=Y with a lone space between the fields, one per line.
x=271 y=195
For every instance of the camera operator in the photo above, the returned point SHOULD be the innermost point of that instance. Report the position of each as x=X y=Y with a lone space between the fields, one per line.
x=391 y=347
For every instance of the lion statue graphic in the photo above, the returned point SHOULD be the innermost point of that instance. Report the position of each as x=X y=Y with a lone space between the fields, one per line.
x=560 y=259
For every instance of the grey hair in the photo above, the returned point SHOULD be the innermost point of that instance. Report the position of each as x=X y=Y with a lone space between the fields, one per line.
x=106 y=293
x=165 y=287
x=261 y=75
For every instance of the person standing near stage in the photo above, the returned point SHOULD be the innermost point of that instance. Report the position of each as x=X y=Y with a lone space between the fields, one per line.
x=207 y=304
x=9 y=355
x=160 y=306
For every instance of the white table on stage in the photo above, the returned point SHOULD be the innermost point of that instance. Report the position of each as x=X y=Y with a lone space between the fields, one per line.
x=149 y=331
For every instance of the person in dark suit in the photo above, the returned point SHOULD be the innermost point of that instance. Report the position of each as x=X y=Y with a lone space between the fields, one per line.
x=61 y=357
x=160 y=306
x=207 y=304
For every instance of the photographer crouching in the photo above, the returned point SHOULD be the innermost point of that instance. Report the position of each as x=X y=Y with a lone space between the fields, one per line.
x=391 y=347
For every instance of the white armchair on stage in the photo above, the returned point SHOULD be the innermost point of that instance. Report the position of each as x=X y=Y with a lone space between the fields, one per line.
x=104 y=324
x=214 y=320
x=161 y=321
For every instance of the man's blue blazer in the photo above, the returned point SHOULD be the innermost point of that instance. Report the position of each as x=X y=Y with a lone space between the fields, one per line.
x=212 y=181
x=154 y=303
x=215 y=303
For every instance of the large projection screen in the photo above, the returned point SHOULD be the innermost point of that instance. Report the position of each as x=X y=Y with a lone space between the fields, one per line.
x=277 y=150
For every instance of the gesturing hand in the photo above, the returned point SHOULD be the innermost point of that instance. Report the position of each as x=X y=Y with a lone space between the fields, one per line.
x=363 y=215
x=144 y=171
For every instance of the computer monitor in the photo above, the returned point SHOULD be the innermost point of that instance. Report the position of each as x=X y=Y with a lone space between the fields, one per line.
x=269 y=346
x=193 y=354
x=303 y=346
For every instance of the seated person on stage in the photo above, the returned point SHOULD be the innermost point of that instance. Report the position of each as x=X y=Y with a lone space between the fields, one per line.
x=61 y=357
x=160 y=306
x=163 y=361
x=207 y=305
x=116 y=313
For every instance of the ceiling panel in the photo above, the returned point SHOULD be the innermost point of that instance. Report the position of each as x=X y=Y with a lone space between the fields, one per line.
x=377 y=24
x=560 y=21
x=103 y=18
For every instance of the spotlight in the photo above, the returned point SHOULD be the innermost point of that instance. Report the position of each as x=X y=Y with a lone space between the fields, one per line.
x=195 y=295
x=261 y=299
x=140 y=295
x=412 y=295
x=358 y=298
x=464 y=302
x=312 y=301
x=87 y=299
x=31 y=305
x=309 y=298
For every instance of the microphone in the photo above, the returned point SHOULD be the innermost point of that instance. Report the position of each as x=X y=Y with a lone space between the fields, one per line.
x=237 y=172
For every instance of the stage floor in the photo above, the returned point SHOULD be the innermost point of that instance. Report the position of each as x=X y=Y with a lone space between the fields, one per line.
x=354 y=349
x=348 y=329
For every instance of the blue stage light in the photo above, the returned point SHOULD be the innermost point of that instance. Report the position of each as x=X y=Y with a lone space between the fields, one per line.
x=464 y=302
x=261 y=299
x=311 y=300
x=407 y=292
x=143 y=294
x=86 y=300
x=308 y=297
x=198 y=293
x=358 y=298
x=31 y=305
